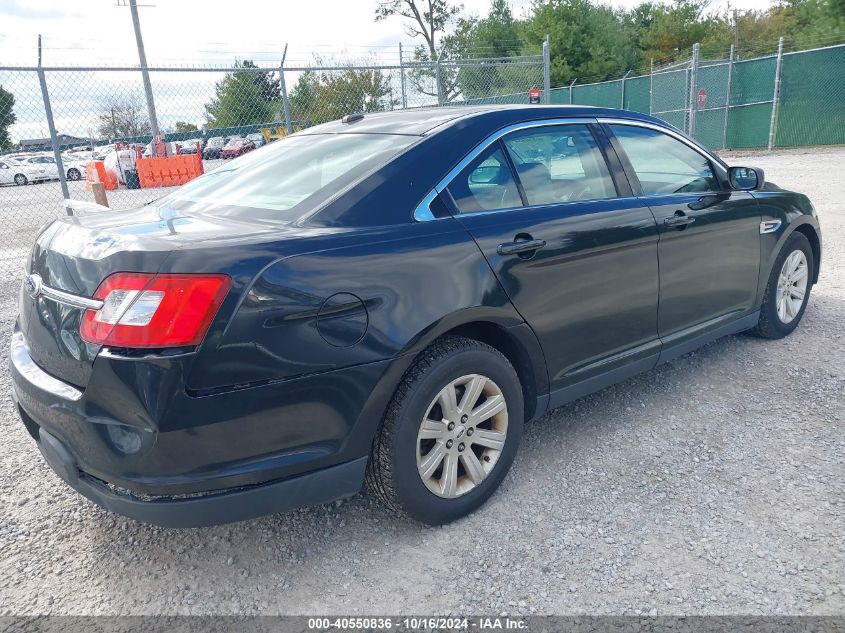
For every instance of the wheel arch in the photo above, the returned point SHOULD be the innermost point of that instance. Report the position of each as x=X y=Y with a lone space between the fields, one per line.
x=496 y=327
x=514 y=346
x=812 y=236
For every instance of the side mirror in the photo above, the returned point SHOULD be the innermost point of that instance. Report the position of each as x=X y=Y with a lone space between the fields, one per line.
x=746 y=178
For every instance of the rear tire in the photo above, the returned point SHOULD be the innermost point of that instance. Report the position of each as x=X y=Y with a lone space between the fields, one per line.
x=424 y=430
x=788 y=289
x=73 y=174
x=20 y=179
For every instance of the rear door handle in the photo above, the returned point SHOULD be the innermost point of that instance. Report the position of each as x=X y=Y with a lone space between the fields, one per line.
x=521 y=246
x=679 y=220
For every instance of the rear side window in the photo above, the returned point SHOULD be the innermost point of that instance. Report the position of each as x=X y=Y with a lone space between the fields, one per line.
x=559 y=164
x=663 y=164
x=486 y=184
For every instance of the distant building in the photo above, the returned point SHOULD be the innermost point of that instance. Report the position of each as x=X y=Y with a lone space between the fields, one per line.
x=37 y=144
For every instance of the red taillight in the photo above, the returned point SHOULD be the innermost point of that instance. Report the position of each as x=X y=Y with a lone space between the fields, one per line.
x=146 y=310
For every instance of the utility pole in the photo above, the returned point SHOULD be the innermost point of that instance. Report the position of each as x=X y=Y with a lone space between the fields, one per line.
x=142 y=58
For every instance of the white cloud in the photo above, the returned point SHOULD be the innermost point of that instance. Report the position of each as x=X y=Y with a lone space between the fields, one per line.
x=187 y=32
x=210 y=31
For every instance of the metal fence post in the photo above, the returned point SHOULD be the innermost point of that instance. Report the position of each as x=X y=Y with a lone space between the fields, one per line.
x=693 y=89
x=547 y=74
x=776 y=95
x=728 y=97
x=570 y=89
x=284 y=89
x=622 y=101
x=402 y=77
x=437 y=81
x=54 y=138
x=651 y=86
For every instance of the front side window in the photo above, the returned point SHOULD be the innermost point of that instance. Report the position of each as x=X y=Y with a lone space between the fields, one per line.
x=663 y=164
x=486 y=184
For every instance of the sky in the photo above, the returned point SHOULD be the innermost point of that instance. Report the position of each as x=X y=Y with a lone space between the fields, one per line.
x=187 y=32
x=212 y=31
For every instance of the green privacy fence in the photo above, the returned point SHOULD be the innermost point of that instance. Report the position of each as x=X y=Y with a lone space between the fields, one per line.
x=786 y=100
x=812 y=98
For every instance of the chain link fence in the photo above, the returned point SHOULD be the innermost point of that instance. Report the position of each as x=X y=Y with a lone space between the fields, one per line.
x=70 y=115
x=198 y=109
x=787 y=99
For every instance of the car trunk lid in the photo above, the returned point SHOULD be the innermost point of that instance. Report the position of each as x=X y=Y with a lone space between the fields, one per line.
x=73 y=255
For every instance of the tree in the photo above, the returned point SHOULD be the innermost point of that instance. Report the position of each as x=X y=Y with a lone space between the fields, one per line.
x=303 y=96
x=426 y=22
x=496 y=36
x=238 y=100
x=123 y=116
x=429 y=19
x=181 y=126
x=268 y=84
x=320 y=97
x=588 y=41
x=673 y=28
x=7 y=118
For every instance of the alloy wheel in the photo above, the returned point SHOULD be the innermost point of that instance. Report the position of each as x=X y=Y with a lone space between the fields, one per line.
x=792 y=286
x=462 y=435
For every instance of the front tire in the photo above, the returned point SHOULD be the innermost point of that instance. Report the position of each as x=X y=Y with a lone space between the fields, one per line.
x=73 y=174
x=20 y=179
x=450 y=433
x=788 y=289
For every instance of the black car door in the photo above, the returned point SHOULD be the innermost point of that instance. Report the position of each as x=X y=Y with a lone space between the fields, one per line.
x=709 y=248
x=577 y=259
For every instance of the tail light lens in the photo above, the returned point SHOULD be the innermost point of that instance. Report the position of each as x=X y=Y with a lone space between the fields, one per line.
x=146 y=310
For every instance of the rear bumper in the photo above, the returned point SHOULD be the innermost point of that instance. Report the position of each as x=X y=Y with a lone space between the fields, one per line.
x=322 y=486
x=199 y=460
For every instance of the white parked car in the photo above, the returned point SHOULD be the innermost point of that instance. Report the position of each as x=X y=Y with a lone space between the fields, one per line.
x=12 y=172
x=101 y=151
x=47 y=165
x=75 y=167
x=256 y=138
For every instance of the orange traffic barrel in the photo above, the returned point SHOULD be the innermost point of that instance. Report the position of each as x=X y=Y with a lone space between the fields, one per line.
x=96 y=172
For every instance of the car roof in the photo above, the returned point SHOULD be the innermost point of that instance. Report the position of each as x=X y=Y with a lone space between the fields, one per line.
x=424 y=121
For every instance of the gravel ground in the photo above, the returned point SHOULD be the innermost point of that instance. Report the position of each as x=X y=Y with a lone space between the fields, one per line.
x=711 y=485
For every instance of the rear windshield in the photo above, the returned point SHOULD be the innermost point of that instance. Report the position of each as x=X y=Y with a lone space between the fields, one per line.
x=289 y=177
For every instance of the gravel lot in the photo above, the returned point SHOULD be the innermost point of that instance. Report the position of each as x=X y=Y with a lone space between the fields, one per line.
x=711 y=485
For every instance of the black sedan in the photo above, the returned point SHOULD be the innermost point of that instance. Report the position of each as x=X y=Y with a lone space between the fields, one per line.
x=389 y=298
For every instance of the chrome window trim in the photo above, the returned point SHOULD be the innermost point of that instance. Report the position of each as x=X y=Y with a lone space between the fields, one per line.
x=669 y=132
x=423 y=211
x=74 y=301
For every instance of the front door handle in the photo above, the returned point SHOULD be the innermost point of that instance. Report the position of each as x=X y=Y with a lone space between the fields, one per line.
x=520 y=246
x=679 y=221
